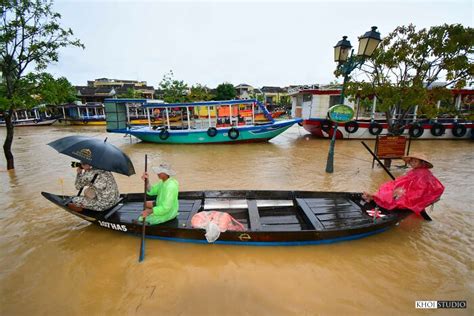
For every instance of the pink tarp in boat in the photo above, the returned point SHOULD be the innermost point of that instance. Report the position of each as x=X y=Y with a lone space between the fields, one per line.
x=214 y=223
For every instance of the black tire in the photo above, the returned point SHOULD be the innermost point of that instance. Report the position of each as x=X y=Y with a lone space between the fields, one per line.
x=233 y=133
x=437 y=129
x=164 y=134
x=398 y=129
x=375 y=128
x=211 y=131
x=459 y=130
x=351 y=127
x=326 y=125
x=416 y=130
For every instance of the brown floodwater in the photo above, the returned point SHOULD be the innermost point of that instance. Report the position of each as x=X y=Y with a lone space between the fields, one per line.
x=53 y=263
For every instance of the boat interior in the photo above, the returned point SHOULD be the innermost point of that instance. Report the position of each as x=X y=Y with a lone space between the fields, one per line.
x=257 y=211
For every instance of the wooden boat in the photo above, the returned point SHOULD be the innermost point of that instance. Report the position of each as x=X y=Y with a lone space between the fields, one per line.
x=30 y=122
x=269 y=217
x=230 y=127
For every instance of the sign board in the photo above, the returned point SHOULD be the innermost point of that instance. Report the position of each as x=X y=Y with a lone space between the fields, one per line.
x=389 y=147
x=340 y=113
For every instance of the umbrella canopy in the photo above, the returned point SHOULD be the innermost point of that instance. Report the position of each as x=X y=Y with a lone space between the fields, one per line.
x=95 y=152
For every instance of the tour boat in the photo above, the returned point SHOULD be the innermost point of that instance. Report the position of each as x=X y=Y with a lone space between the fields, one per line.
x=227 y=122
x=270 y=218
x=31 y=117
x=311 y=103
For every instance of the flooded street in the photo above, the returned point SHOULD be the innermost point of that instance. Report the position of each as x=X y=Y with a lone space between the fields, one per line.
x=53 y=263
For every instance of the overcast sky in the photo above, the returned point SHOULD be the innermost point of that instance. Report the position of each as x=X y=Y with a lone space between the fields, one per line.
x=266 y=43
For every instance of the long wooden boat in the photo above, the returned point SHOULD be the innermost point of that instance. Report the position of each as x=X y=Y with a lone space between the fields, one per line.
x=30 y=122
x=269 y=217
x=229 y=128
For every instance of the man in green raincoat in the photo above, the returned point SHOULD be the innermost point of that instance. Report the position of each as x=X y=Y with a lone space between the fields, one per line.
x=166 y=191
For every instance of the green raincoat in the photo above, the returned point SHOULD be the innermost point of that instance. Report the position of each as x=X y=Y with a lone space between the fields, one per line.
x=166 y=201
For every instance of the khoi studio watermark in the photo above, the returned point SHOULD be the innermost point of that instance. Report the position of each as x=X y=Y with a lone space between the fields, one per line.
x=440 y=304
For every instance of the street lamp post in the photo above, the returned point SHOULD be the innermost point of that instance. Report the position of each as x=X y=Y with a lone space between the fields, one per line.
x=346 y=64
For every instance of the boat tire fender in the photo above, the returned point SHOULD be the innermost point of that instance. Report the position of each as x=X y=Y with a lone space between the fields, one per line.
x=164 y=134
x=326 y=126
x=437 y=129
x=416 y=130
x=375 y=128
x=211 y=131
x=233 y=133
x=351 y=127
x=459 y=130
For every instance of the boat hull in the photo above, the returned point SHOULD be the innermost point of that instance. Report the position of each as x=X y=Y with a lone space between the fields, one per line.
x=254 y=133
x=271 y=218
x=31 y=123
x=316 y=127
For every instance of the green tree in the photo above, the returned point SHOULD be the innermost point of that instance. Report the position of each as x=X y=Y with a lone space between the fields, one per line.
x=30 y=36
x=404 y=67
x=130 y=94
x=173 y=91
x=225 y=91
x=200 y=93
x=55 y=91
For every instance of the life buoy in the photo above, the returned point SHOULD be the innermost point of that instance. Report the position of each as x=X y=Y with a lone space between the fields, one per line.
x=437 y=129
x=233 y=133
x=375 y=128
x=164 y=134
x=351 y=127
x=416 y=130
x=326 y=125
x=459 y=130
x=211 y=131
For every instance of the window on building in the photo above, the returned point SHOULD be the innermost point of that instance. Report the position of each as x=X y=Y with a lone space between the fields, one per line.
x=307 y=97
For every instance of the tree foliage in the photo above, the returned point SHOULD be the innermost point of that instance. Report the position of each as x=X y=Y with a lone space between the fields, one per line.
x=30 y=37
x=402 y=71
x=55 y=91
x=225 y=91
x=173 y=91
x=200 y=93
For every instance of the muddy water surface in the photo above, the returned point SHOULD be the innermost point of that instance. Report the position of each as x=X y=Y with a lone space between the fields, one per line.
x=53 y=263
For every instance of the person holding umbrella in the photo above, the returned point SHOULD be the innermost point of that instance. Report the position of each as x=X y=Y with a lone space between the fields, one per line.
x=98 y=160
x=166 y=192
x=100 y=193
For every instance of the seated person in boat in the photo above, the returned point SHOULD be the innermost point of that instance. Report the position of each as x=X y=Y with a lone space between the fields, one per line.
x=100 y=189
x=415 y=190
x=166 y=191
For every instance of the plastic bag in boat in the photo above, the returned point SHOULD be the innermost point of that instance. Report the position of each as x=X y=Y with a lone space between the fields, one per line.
x=214 y=223
x=415 y=190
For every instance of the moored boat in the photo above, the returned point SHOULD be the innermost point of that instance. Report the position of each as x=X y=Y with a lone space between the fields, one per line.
x=233 y=122
x=30 y=117
x=269 y=217
x=312 y=104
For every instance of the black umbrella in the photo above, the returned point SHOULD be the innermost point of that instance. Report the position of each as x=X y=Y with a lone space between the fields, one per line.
x=95 y=152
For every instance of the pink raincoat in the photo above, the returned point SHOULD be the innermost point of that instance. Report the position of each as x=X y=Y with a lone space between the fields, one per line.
x=415 y=190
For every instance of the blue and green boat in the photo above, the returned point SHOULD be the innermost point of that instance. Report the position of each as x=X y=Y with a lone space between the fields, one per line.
x=231 y=121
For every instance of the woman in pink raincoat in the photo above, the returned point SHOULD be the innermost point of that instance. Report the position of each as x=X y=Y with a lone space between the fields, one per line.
x=415 y=190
